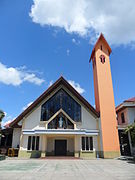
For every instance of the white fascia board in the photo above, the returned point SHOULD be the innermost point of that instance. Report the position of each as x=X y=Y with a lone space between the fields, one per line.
x=121 y=128
x=126 y=105
x=60 y=132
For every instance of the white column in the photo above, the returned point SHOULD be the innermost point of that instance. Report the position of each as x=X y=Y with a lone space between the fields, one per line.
x=43 y=145
x=76 y=146
x=21 y=142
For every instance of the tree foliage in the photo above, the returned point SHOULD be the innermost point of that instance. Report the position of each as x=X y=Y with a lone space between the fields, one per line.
x=2 y=115
x=131 y=129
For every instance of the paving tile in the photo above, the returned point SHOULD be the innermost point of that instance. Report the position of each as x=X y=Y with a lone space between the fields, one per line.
x=57 y=169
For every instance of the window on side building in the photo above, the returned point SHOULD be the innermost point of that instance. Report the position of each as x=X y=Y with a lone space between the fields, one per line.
x=122 y=118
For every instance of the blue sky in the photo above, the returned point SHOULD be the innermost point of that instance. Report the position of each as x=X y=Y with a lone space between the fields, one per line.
x=34 y=51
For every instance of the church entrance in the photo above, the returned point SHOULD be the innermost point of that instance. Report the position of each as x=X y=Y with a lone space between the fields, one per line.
x=60 y=147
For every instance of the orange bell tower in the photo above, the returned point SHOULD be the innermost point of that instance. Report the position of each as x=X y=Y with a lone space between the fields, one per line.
x=104 y=99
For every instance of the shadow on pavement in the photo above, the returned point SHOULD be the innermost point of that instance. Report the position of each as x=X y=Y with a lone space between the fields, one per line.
x=128 y=159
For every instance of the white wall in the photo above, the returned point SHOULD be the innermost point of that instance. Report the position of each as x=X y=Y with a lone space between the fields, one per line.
x=24 y=142
x=95 y=143
x=70 y=144
x=88 y=120
x=16 y=137
x=77 y=143
x=33 y=119
x=50 y=144
x=131 y=115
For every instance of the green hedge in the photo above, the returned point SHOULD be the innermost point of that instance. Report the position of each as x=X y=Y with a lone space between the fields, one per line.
x=2 y=157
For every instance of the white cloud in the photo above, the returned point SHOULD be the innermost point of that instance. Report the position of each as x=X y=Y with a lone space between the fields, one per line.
x=25 y=107
x=5 y=113
x=68 y=52
x=7 y=119
x=50 y=83
x=76 y=86
x=16 y=76
x=115 y=19
x=77 y=42
x=73 y=40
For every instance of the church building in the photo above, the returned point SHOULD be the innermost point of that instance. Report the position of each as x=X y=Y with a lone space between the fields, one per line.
x=62 y=123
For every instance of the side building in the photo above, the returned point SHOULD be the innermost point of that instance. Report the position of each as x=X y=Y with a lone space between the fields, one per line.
x=126 y=116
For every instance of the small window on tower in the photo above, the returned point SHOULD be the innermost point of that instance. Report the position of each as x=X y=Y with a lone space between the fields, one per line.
x=101 y=47
x=102 y=58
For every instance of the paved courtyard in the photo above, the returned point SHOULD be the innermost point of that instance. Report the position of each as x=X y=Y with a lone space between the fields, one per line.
x=66 y=169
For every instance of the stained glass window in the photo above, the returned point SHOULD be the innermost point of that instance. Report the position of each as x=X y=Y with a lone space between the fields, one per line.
x=61 y=100
x=60 y=122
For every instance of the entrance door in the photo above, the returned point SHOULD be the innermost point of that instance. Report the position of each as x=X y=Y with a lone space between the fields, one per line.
x=124 y=143
x=60 y=147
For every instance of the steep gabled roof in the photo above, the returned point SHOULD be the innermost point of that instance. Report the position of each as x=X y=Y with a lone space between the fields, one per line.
x=127 y=103
x=101 y=37
x=60 y=81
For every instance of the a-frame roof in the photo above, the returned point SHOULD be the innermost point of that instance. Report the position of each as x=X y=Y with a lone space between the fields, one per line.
x=60 y=81
x=101 y=37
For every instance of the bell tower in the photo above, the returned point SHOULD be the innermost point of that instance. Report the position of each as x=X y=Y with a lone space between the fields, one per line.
x=104 y=99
